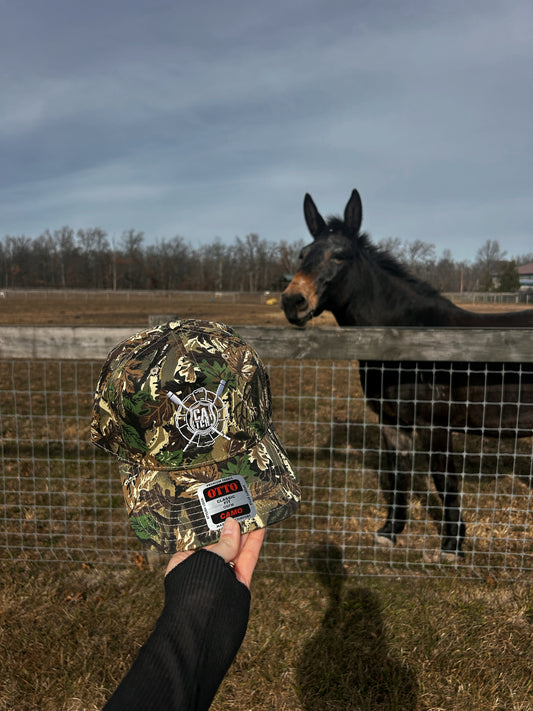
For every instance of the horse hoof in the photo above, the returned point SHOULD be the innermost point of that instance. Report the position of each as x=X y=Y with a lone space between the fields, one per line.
x=383 y=541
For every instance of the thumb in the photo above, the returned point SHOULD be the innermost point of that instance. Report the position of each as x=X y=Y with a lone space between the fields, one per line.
x=227 y=546
x=229 y=542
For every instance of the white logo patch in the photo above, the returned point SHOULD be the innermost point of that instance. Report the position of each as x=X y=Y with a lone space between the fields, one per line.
x=201 y=416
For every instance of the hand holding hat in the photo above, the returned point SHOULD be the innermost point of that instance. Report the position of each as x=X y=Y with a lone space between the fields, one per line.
x=241 y=551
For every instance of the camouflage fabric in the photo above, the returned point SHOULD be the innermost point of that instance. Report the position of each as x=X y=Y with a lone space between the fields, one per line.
x=186 y=409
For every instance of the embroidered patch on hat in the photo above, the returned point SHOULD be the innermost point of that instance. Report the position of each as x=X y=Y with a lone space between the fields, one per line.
x=201 y=416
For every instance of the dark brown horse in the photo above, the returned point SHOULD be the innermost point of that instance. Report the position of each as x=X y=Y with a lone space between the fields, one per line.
x=343 y=272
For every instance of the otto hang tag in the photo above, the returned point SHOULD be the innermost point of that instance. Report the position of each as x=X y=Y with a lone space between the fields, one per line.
x=226 y=498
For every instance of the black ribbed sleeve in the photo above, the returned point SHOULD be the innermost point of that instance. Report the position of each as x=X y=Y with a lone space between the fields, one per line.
x=194 y=642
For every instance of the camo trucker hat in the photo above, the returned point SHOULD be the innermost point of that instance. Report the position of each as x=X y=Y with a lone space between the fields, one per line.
x=186 y=409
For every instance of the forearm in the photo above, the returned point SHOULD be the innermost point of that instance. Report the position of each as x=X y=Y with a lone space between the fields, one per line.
x=194 y=641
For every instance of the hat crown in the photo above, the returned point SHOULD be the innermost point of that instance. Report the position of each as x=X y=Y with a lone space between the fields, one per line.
x=181 y=394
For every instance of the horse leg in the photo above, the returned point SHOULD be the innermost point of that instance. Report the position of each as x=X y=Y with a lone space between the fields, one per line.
x=394 y=482
x=438 y=442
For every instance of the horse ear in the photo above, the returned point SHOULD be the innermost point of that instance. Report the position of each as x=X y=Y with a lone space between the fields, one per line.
x=313 y=219
x=353 y=213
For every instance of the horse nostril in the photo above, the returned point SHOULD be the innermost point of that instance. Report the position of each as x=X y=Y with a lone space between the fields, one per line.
x=293 y=301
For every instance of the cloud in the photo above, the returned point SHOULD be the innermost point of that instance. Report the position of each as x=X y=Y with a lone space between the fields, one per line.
x=216 y=119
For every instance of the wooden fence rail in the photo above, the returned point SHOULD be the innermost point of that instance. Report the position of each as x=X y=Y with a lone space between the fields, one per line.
x=466 y=344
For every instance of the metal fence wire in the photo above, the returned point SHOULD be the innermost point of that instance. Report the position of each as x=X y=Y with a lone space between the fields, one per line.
x=61 y=497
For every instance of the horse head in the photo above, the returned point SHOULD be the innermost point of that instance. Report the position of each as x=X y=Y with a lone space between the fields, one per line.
x=320 y=281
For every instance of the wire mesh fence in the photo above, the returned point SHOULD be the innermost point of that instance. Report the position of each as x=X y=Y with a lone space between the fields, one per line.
x=61 y=498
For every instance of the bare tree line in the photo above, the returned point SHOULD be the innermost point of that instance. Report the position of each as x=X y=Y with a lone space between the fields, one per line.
x=90 y=259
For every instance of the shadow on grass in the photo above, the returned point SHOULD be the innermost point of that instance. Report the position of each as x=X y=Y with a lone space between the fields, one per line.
x=346 y=664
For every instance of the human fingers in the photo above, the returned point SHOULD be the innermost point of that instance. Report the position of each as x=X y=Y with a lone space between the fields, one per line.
x=229 y=542
x=227 y=546
x=241 y=551
x=246 y=560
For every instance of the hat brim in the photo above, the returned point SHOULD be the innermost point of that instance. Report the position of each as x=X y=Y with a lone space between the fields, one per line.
x=169 y=510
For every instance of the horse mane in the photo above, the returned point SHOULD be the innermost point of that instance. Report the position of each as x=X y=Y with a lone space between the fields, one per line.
x=336 y=224
x=384 y=259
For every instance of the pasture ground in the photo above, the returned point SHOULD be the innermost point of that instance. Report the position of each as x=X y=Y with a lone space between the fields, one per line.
x=322 y=641
x=104 y=309
x=314 y=642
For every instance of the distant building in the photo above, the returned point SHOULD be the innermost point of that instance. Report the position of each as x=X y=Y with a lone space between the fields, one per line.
x=525 y=273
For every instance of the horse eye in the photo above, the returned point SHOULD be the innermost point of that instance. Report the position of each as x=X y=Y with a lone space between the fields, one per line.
x=338 y=258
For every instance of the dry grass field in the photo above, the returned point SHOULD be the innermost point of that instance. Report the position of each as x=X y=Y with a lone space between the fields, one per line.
x=324 y=639
x=104 y=309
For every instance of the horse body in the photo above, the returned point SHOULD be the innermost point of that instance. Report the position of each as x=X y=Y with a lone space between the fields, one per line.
x=341 y=271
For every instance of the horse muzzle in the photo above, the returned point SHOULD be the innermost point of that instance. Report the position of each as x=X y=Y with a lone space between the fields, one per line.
x=296 y=306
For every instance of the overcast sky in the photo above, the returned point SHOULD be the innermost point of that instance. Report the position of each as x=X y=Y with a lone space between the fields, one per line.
x=213 y=118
